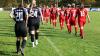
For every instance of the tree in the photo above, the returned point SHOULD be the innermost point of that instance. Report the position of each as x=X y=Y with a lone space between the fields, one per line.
x=10 y=3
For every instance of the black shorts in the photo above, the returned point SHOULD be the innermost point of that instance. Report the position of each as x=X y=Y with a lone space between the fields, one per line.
x=20 y=29
x=33 y=24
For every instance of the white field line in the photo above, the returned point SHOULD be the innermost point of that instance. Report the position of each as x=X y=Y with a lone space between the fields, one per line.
x=53 y=45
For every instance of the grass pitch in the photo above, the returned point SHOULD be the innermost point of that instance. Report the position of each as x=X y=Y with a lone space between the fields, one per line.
x=52 y=42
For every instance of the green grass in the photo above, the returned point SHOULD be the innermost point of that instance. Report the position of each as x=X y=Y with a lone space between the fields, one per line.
x=52 y=42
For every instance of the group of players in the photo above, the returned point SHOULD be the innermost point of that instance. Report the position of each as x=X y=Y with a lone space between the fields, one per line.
x=28 y=19
x=72 y=15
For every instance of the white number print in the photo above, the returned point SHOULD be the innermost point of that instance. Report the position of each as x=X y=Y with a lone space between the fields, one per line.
x=35 y=13
x=82 y=13
x=19 y=16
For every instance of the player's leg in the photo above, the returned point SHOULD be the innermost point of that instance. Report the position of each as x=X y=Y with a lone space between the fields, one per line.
x=18 y=44
x=70 y=26
x=36 y=36
x=81 y=29
x=36 y=33
x=62 y=24
x=32 y=34
x=50 y=18
x=46 y=19
x=31 y=30
x=24 y=39
x=32 y=37
x=17 y=33
x=67 y=23
x=55 y=22
x=76 y=27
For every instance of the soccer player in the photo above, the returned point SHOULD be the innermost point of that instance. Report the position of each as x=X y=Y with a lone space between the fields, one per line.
x=43 y=13
x=51 y=14
x=72 y=19
x=54 y=13
x=62 y=17
x=20 y=17
x=67 y=16
x=40 y=8
x=34 y=23
x=47 y=14
x=82 y=14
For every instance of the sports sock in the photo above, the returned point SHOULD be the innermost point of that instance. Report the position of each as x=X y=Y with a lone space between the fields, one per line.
x=36 y=42
x=76 y=29
x=18 y=45
x=33 y=45
x=36 y=35
x=32 y=37
x=70 y=28
x=23 y=44
x=81 y=32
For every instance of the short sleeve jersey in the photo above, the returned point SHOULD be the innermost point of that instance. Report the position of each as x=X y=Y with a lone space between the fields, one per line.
x=62 y=14
x=19 y=14
x=82 y=13
x=67 y=11
x=34 y=12
x=73 y=13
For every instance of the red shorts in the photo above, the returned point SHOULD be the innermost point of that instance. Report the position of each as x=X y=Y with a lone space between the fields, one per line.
x=67 y=20
x=72 y=22
x=47 y=15
x=61 y=22
x=81 y=22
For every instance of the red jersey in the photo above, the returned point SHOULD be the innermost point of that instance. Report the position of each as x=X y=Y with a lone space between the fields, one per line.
x=82 y=13
x=73 y=13
x=62 y=14
x=67 y=11
x=43 y=11
x=47 y=12
x=54 y=12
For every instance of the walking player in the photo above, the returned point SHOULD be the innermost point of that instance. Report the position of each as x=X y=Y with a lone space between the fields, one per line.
x=33 y=23
x=20 y=17
x=82 y=13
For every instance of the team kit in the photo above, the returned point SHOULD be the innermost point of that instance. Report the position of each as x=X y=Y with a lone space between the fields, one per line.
x=27 y=20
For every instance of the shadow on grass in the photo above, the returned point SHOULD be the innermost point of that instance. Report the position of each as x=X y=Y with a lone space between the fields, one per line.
x=6 y=34
x=7 y=43
x=56 y=33
x=6 y=53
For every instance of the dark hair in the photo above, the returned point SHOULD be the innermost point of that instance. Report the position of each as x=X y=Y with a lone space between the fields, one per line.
x=20 y=5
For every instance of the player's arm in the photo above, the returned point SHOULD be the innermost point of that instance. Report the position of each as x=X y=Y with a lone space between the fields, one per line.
x=88 y=18
x=26 y=19
x=57 y=12
x=41 y=15
x=65 y=13
x=69 y=16
x=13 y=15
x=26 y=15
x=77 y=13
x=59 y=15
